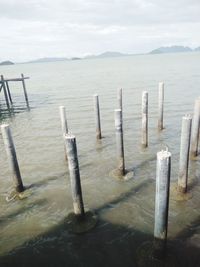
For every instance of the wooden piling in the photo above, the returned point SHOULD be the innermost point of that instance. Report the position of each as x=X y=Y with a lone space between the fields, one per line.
x=184 y=153
x=144 y=139
x=195 y=129
x=160 y=105
x=9 y=94
x=119 y=142
x=162 y=201
x=12 y=157
x=97 y=117
x=71 y=148
x=25 y=92
x=5 y=91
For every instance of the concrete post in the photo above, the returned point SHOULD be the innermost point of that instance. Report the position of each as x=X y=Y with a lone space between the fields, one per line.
x=184 y=153
x=162 y=200
x=144 y=140
x=97 y=117
x=12 y=157
x=195 y=129
x=160 y=105
x=119 y=142
x=74 y=175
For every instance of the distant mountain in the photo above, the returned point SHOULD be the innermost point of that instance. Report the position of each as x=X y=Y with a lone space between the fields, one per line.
x=197 y=49
x=6 y=63
x=171 y=49
x=48 y=59
x=107 y=55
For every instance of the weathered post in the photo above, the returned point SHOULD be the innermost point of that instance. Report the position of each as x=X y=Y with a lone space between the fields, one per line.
x=5 y=91
x=119 y=142
x=160 y=105
x=74 y=175
x=119 y=98
x=144 y=140
x=24 y=88
x=63 y=125
x=161 y=201
x=97 y=117
x=184 y=153
x=63 y=120
x=9 y=94
x=79 y=221
x=195 y=129
x=12 y=157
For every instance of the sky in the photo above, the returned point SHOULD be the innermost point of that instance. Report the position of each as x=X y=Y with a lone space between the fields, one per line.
x=31 y=29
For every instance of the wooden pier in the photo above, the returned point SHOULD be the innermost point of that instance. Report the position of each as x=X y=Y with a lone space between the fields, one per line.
x=4 y=84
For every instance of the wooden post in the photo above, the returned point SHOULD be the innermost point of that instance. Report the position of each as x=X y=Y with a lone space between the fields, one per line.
x=160 y=105
x=9 y=94
x=12 y=157
x=119 y=98
x=70 y=142
x=5 y=91
x=97 y=117
x=144 y=140
x=184 y=153
x=162 y=201
x=195 y=129
x=119 y=142
x=25 y=92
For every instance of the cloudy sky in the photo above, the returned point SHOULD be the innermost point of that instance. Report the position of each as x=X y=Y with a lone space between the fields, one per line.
x=65 y=28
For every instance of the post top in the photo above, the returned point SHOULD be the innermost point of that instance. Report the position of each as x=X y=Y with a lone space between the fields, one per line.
x=95 y=95
x=5 y=125
x=163 y=154
x=62 y=107
x=187 y=117
x=70 y=136
x=145 y=92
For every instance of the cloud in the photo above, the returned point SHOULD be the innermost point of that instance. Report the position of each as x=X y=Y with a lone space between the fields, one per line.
x=37 y=28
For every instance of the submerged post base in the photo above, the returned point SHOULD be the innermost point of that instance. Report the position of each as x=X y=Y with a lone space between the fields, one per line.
x=79 y=225
x=118 y=175
x=149 y=255
x=14 y=195
x=178 y=194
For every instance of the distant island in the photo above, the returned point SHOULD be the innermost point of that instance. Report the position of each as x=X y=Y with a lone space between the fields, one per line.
x=4 y=63
x=112 y=54
x=173 y=49
x=47 y=59
x=107 y=54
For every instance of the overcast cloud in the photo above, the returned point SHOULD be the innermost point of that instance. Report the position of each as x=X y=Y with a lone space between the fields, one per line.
x=66 y=28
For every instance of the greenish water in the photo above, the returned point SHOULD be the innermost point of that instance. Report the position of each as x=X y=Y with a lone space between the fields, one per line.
x=33 y=232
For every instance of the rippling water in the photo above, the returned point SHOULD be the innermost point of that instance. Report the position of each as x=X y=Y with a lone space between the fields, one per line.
x=33 y=232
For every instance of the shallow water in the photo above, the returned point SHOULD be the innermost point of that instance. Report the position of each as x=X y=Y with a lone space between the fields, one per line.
x=33 y=232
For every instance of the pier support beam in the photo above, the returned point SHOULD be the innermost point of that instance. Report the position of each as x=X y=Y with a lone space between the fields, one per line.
x=25 y=92
x=5 y=92
x=12 y=157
